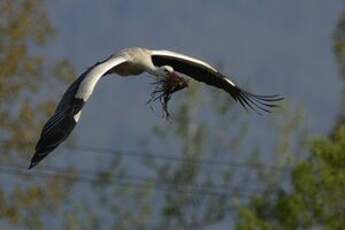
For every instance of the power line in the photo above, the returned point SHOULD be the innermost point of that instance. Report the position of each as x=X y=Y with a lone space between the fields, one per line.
x=108 y=151
x=94 y=176
x=125 y=181
x=64 y=175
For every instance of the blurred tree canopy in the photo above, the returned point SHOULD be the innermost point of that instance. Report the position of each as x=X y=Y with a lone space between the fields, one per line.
x=23 y=26
x=314 y=199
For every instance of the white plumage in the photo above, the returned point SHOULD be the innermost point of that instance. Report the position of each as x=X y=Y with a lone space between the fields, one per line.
x=88 y=84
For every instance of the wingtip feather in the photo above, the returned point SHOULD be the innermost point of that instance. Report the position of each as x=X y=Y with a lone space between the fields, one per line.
x=32 y=164
x=257 y=103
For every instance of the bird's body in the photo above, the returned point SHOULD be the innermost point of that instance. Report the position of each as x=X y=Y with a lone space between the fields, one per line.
x=138 y=61
x=167 y=66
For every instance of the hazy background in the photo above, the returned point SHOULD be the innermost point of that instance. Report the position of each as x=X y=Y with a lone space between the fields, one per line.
x=283 y=47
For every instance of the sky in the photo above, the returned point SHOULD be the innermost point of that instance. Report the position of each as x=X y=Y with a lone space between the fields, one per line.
x=274 y=46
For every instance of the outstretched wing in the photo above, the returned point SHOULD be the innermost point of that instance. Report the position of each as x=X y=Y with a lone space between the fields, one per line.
x=203 y=72
x=67 y=113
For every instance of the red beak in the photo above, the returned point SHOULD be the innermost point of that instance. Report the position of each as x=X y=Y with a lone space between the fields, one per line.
x=174 y=75
x=176 y=82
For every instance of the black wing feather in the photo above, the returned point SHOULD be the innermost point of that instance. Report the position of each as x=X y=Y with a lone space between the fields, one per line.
x=206 y=75
x=60 y=124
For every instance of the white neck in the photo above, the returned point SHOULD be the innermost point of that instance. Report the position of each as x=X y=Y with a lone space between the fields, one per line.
x=155 y=71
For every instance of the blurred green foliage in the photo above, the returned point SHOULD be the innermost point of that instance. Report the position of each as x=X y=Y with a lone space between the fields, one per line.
x=314 y=199
x=24 y=24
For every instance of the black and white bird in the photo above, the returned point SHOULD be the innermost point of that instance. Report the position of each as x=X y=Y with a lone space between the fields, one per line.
x=166 y=66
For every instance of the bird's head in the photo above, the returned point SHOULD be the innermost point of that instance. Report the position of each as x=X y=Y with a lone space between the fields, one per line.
x=171 y=78
x=165 y=71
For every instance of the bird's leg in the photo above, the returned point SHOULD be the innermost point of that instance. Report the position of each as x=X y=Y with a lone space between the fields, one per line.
x=164 y=88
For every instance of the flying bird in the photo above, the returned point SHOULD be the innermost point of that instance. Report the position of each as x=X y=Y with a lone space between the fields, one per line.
x=166 y=66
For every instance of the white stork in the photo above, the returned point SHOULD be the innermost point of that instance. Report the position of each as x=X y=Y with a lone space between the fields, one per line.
x=167 y=66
